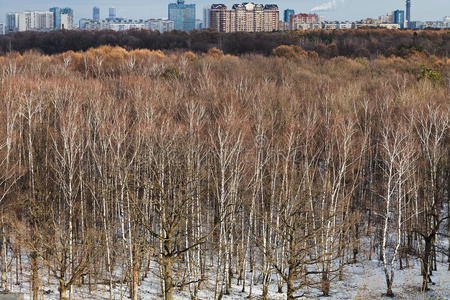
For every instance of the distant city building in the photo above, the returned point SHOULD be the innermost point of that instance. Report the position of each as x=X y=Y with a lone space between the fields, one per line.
x=67 y=18
x=56 y=16
x=283 y=26
x=408 y=11
x=399 y=18
x=198 y=24
x=301 y=21
x=390 y=26
x=345 y=25
x=96 y=13
x=220 y=18
x=375 y=23
x=161 y=25
x=416 y=25
x=112 y=12
x=83 y=23
x=370 y=21
x=62 y=18
x=2 y=29
x=359 y=25
x=30 y=21
x=206 y=14
x=387 y=19
x=330 y=26
x=12 y=22
x=302 y=26
x=248 y=17
x=447 y=22
x=435 y=25
x=287 y=14
x=183 y=15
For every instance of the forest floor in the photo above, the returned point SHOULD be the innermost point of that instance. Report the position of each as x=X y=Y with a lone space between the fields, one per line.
x=363 y=280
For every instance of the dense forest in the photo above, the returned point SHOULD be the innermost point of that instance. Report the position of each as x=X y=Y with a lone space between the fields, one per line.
x=211 y=171
x=327 y=43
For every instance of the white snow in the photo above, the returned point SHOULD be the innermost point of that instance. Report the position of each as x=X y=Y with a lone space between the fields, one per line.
x=363 y=280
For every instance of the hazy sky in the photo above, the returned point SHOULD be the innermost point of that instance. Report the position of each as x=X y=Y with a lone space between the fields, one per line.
x=332 y=9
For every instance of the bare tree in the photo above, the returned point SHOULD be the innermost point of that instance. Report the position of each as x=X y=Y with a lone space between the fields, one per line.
x=431 y=127
x=398 y=160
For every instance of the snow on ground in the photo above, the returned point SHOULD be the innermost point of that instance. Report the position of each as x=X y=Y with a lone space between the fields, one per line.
x=363 y=280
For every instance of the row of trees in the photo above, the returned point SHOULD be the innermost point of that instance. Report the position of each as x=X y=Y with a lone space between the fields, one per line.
x=349 y=43
x=273 y=174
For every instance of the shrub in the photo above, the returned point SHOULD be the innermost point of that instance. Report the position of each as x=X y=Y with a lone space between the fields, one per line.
x=215 y=53
x=172 y=73
x=291 y=51
x=430 y=74
x=190 y=55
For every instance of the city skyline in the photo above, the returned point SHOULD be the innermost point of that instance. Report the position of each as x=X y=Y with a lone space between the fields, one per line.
x=350 y=10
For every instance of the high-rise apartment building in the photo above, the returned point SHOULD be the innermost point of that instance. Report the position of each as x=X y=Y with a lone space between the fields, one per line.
x=67 y=18
x=30 y=21
x=299 y=21
x=218 y=18
x=183 y=15
x=248 y=17
x=399 y=18
x=287 y=14
x=96 y=14
x=271 y=18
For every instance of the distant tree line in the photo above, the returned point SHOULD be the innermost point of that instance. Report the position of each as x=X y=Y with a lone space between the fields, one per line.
x=327 y=43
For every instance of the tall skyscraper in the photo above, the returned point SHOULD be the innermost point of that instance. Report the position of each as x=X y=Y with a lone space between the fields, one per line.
x=112 y=12
x=96 y=14
x=56 y=17
x=287 y=14
x=183 y=15
x=399 y=18
x=408 y=11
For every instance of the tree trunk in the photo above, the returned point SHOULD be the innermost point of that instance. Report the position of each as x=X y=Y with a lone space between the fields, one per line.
x=62 y=289
x=325 y=284
x=168 y=280
x=389 y=292
x=135 y=283
x=290 y=290
x=34 y=276
x=426 y=263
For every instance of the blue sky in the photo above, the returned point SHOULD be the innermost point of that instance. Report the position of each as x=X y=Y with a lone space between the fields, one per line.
x=332 y=9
